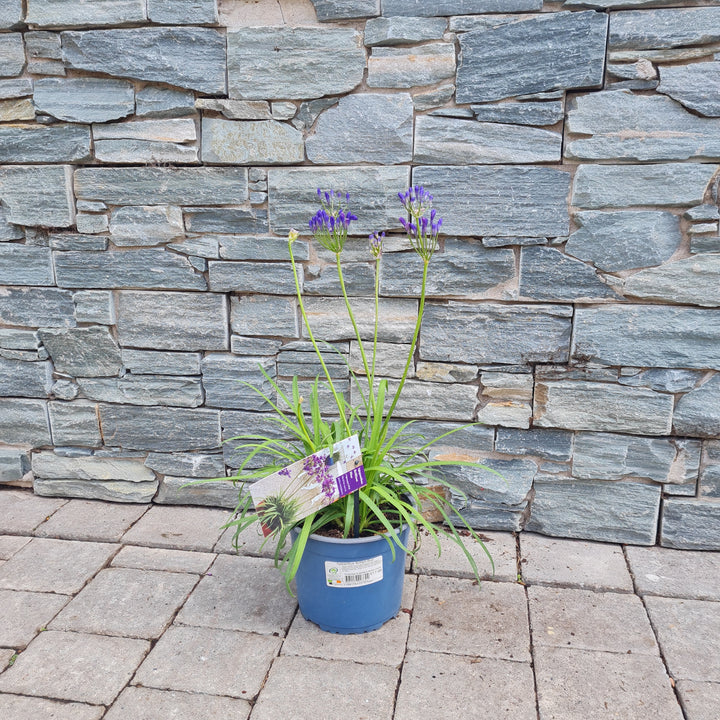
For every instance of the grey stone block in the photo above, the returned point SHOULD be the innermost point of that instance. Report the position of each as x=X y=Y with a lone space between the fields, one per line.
x=75 y=424
x=448 y=141
x=577 y=405
x=25 y=265
x=647 y=336
x=457 y=7
x=187 y=465
x=14 y=464
x=109 y=604
x=495 y=333
x=540 y=442
x=146 y=225
x=25 y=422
x=172 y=321
x=38 y=143
x=144 y=390
x=11 y=14
x=535 y=54
x=516 y=201
x=77 y=241
x=151 y=362
x=345 y=9
x=146 y=703
x=21 y=706
x=633 y=29
x=153 y=101
x=292 y=195
x=12 y=54
x=176 y=130
x=696 y=86
x=192 y=58
x=237 y=109
x=690 y=281
x=618 y=186
x=186 y=491
x=58 y=664
x=522 y=113
x=397 y=31
x=57 y=467
x=229 y=276
x=94 y=306
x=266 y=142
x=624 y=239
x=620 y=512
x=225 y=378
x=462 y=269
x=619 y=125
x=118 y=491
x=163 y=186
x=548 y=274
x=226 y=220
x=427 y=677
x=84 y=100
x=91 y=223
x=670 y=381
x=182 y=12
x=252 y=247
x=433 y=98
x=16 y=88
x=144 y=151
x=579 y=682
x=573 y=563
x=160 y=429
x=54 y=13
x=21 y=186
x=264 y=315
x=427 y=64
x=87 y=352
x=311 y=62
x=690 y=524
x=17 y=109
x=364 y=128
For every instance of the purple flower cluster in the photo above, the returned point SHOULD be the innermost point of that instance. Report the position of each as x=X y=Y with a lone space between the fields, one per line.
x=316 y=467
x=330 y=223
x=416 y=199
x=376 y=244
x=422 y=231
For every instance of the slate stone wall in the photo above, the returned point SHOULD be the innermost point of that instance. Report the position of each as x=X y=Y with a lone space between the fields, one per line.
x=155 y=152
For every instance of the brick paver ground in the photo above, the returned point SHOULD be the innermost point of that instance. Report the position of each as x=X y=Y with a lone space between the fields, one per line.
x=145 y=612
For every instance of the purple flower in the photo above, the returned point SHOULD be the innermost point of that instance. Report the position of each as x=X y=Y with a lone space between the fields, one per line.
x=376 y=244
x=330 y=223
x=422 y=231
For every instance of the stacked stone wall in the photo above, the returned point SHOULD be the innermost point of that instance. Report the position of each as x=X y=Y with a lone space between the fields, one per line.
x=154 y=154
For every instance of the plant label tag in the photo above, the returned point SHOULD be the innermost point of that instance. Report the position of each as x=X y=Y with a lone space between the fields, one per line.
x=298 y=490
x=354 y=574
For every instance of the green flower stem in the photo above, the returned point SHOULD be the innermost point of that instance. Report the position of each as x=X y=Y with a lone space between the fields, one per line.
x=377 y=317
x=350 y=314
x=340 y=405
x=411 y=354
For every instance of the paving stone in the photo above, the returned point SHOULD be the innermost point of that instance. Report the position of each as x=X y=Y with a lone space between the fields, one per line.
x=444 y=686
x=535 y=54
x=21 y=511
x=146 y=704
x=88 y=520
x=596 y=685
x=311 y=62
x=451 y=616
x=175 y=561
x=211 y=661
x=516 y=201
x=58 y=664
x=126 y=602
x=573 y=563
x=241 y=593
x=178 y=528
x=315 y=691
x=686 y=631
x=25 y=614
x=618 y=512
x=700 y=700
x=675 y=573
x=452 y=562
x=620 y=186
x=192 y=58
x=385 y=646
x=27 y=708
x=10 y=544
x=587 y=620
x=67 y=565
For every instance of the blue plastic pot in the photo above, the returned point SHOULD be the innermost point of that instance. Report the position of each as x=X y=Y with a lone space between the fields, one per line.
x=351 y=585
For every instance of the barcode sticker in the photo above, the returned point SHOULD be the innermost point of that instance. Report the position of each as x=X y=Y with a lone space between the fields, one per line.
x=354 y=574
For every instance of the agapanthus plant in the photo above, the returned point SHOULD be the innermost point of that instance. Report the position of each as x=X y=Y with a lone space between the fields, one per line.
x=397 y=465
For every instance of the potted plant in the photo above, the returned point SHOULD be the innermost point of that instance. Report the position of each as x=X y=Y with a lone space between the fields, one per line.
x=344 y=495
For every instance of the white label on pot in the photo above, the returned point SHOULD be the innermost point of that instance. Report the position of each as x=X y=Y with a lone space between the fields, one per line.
x=354 y=574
